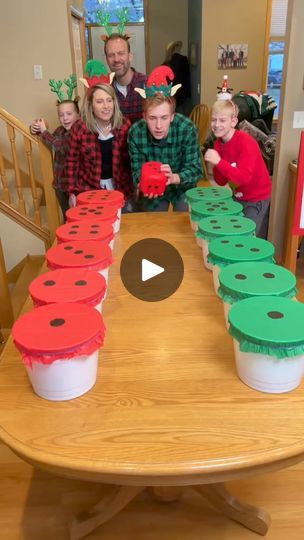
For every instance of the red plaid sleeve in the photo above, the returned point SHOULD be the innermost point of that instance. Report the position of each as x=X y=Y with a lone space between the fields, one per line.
x=121 y=160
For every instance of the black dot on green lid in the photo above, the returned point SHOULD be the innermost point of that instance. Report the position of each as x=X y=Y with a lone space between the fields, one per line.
x=233 y=220
x=213 y=221
x=275 y=315
x=237 y=226
x=224 y=208
x=224 y=241
x=240 y=276
x=57 y=322
x=49 y=283
x=80 y=282
x=255 y=250
x=216 y=206
x=268 y=275
x=216 y=227
x=239 y=245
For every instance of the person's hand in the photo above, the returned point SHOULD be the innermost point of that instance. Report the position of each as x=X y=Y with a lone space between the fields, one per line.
x=151 y=196
x=38 y=126
x=72 y=200
x=172 y=178
x=212 y=156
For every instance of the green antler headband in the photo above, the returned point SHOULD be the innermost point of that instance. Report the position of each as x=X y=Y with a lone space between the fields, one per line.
x=70 y=83
x=104 y=20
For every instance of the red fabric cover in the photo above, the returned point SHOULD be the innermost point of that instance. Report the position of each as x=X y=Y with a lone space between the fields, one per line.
x=152 y=180
x=58 y=331
x=110 y=197
x=98 y=212
x=68 y=285
x=88 y=229
x=83 y=254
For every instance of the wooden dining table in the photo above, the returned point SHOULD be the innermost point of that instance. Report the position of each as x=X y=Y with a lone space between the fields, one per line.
x=168 y=409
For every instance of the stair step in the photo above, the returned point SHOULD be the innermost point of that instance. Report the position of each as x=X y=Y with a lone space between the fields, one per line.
x=26 y=191
x=31 y=270
x=4 y=335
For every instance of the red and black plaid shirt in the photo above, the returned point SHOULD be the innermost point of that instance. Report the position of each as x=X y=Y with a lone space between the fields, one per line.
x=84 y=160
x=131 y=106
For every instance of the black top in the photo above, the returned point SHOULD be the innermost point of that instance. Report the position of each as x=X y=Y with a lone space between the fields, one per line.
x=106 y=152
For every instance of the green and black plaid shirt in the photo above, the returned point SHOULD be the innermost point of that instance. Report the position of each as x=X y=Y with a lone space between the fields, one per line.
x=180 y=150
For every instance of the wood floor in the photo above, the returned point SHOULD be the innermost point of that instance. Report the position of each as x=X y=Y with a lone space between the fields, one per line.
x=37 y=506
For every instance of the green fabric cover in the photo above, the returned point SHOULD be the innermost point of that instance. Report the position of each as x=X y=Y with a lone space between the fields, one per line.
x=268 y=325
x=225 y=225
x=247 y=279
x=207 y=194
x=228 y=250
x=202 y=209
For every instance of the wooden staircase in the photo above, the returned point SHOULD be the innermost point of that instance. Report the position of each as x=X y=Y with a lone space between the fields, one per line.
x=26 y=177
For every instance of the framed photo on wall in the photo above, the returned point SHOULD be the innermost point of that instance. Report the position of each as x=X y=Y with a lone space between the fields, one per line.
x=232 y=56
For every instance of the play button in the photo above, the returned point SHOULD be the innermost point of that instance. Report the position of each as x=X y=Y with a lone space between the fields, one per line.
x=152 y=269
x=149 y=270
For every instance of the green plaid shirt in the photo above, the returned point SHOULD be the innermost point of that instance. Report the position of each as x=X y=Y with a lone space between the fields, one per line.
x=180 y=150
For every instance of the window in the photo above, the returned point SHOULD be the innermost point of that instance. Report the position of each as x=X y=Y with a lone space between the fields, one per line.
x=276 y=49
x=135 y=7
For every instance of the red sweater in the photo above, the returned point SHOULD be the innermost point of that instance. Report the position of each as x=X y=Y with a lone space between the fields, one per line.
x=242 y=164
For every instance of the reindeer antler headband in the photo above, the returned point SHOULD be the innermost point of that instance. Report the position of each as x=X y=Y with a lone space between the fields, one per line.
x=157 y=83
x=104 y=20
x=56 y=87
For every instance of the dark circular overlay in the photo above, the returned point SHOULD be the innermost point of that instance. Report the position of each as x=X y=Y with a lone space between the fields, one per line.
x=157 y=252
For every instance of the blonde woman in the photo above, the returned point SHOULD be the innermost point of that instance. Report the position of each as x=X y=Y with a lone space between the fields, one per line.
x=98 y=156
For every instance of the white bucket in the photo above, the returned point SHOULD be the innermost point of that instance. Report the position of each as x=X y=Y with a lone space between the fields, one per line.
x=64 y=379
x=105 y=274
x=215 y=272
x=267 y=373
x=116 y=225
x=205 y=250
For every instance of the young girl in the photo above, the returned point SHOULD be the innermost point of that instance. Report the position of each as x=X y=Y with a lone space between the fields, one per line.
x=68 y=114
x=98 y=155
x=237 y=159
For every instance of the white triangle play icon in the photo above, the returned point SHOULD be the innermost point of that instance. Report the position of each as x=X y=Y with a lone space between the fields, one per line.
x=149 y=270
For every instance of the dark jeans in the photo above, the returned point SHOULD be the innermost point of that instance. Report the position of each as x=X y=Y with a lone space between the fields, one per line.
x=63 y=199
x=180 y=205
x=258 y=212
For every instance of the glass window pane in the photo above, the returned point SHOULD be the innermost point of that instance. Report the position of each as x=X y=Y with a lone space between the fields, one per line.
x=135 y=7
x=274 y=80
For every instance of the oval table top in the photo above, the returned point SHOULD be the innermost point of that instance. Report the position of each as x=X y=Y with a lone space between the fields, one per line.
x=168 y=407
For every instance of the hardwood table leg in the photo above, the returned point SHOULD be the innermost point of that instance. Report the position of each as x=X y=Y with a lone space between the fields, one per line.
x=166 y=493
x=254 y=518
x=110 y=504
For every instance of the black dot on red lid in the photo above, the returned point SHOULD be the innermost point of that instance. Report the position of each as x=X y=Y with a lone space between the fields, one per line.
x=49 y=282
x=91 y=210
x=240 y=276
x=268 y=275
x=81 y=282
x=275 y=315
x=78 y=251
x=93 y=232
x=82 y=213
x=98 y=213
x=239 y=245
x=73 y=232
x=95 y=226
x=256 y=250
x=57 y=322
x=68 y=248
x=89 y=256
x=74 y=226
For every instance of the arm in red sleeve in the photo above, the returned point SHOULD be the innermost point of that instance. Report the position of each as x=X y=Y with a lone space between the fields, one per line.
x=243 y=172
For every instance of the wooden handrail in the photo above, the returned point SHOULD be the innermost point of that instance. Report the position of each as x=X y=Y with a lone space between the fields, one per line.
x=13 y=125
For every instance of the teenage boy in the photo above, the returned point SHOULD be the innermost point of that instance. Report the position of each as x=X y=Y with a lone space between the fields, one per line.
x=168 y=137
x=119 y=58
x=236 y=159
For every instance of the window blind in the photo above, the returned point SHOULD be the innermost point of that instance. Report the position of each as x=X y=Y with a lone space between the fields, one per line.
x=278 y=18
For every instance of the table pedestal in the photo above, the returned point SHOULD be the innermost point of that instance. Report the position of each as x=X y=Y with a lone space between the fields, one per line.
x=252 y=517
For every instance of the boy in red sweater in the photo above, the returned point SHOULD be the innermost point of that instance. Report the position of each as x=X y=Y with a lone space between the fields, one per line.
x=237 y=159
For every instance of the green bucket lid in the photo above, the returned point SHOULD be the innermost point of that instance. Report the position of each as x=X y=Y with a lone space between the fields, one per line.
x=247 y=279
x=268 y=325
x=207 y=194
x=229 y=250
x=202 y=209
x=225 y=225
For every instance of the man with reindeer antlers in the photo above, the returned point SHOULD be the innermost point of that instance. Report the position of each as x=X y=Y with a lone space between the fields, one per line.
x=167 y=137
x=119 y=57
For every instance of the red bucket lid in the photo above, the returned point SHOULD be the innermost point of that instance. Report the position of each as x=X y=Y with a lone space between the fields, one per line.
x=55 y=331
x=91 y=255
x=68 y=285
x=98 y=212
x=111 y=197
x=88 y=229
